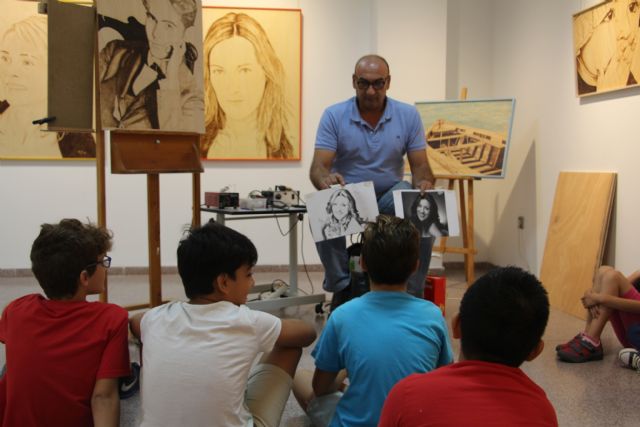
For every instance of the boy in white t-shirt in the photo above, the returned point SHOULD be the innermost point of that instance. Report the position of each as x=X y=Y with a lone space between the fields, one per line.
x=198 y=356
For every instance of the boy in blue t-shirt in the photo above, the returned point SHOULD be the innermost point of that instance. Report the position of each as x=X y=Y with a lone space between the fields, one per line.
x=378 y=338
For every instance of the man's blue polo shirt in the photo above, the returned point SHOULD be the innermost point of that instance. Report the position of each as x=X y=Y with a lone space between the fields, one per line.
x=364 y=153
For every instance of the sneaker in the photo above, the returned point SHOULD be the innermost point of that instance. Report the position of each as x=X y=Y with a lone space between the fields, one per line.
x=630 y=358
x=130 y=385
x=575 y=339
x=579 y=351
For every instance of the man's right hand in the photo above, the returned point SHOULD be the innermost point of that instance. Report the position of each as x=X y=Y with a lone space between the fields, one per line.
x=331 y=179
x=320 y=173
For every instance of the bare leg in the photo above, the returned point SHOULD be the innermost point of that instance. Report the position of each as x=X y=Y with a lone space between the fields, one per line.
x=286 y=358
x=608 y=281
x=302 y=390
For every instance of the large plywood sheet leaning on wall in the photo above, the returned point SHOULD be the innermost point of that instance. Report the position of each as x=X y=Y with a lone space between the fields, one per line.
x=576 y=237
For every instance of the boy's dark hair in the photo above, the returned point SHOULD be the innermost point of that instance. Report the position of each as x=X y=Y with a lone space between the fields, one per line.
x=209 y=251
x=62 y=251
x=503 y=315
x=390 y=247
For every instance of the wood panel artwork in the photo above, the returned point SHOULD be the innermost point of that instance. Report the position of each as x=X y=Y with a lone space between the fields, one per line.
x=576 y=237
x=605 y=47
x=468 y=138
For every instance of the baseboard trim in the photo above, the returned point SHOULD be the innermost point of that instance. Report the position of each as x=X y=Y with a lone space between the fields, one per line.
x=118 y=271
x=275 y=268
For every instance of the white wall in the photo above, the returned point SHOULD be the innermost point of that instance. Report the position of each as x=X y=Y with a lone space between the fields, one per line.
x=530 y=58
x=496 y=48
x=412 y=37
x=335 y=34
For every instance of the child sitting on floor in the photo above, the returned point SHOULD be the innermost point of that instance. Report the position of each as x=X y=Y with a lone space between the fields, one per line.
x=64 y=354
x=501 y=321
x=613 y=298
x=198 y=356
x=378 y=338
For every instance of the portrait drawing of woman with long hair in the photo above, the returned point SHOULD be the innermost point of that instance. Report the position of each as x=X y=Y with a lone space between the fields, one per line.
x=246 y=113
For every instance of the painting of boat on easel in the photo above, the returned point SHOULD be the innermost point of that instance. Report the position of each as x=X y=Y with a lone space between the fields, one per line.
x=468 y=138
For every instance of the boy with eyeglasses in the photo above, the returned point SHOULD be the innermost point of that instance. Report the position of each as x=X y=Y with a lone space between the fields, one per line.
x=365 y=138
x=64 y=354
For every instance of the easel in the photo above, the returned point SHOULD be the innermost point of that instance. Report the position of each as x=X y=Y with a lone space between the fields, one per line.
x=149 y=153
x=465 y=198
x=153 y=153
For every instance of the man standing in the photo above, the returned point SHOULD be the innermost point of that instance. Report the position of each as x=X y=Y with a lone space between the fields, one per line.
x=365 y=139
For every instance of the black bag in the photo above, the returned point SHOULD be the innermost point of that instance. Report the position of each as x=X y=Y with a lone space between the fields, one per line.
x=359 y=279
x=359 y=283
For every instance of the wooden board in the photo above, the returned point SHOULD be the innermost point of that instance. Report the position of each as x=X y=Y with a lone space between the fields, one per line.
x=576 y=237
x=70 y=71
x=154 y=153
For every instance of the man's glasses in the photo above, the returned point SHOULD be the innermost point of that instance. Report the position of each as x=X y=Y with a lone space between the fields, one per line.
x=105 y=262
x=363 y=84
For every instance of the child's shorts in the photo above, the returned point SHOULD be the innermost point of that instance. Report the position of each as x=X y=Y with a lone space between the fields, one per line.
x=625 y=324
x=633 y=335
x=267 y=393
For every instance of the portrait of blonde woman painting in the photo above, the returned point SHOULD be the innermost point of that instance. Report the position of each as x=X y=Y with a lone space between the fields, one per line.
x=252 y=84
x=23 y=90
x=605 y=41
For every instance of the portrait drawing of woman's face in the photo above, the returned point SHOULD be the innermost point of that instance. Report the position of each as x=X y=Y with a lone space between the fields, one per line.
x=237 y=77
x=250 y=112
x=340 y=207
x=23 y=95
x=423 y=209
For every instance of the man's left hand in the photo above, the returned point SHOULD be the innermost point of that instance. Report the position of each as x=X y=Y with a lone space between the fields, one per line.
x=424 y=186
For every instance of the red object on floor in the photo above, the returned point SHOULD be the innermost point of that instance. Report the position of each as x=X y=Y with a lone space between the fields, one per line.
x=435 y=290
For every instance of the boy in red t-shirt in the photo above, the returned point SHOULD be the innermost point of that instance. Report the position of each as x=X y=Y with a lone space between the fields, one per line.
x=64 y=354
x=500 y=325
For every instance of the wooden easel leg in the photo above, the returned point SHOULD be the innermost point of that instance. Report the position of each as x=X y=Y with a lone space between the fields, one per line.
x=153 y=221
x=196 y=220
x=102 y=200
x=101 y=189
x=469 y=258
x=442 y=245
x=465 y=230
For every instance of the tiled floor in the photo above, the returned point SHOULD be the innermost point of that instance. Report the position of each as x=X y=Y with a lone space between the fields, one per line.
x=594 y=394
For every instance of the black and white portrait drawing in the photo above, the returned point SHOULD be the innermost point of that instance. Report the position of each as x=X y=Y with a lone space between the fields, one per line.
x=150 y=65
x=340 y=211
x=435 y=213
x=23 y=90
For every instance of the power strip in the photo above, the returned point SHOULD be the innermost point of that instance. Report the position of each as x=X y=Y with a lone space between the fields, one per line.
x=279 y=290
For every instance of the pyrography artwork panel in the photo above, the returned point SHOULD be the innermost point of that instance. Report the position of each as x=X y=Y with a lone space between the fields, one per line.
x=123 y=46
x=468 y=138
x=445 y=199
x=319 y=211
x=283 y=28
x=605 y=47
x=23 y=90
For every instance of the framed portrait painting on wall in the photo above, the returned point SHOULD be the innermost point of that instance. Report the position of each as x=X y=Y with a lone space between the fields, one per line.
x=24 y=91
x=252 y=83
x=605 y=47
x=468 y=138
x=149 y=65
